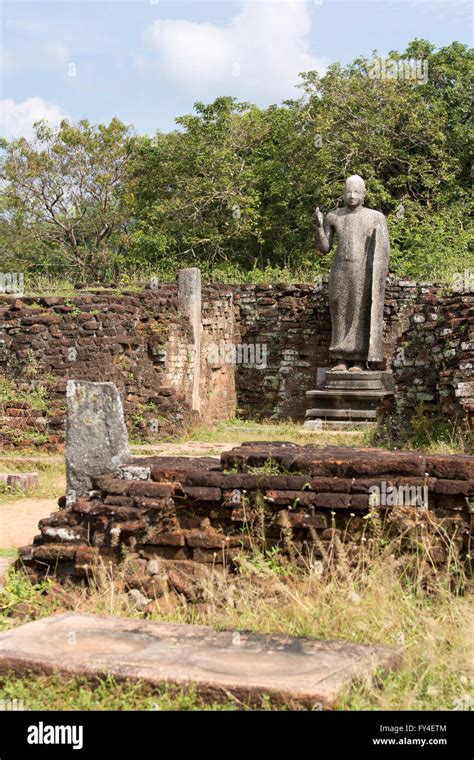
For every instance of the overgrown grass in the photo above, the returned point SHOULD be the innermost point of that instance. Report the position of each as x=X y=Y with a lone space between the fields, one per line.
x=36 y=398
x=420 y=431
x=138 y=278
x=55 y=693
x=383 y=597
x=8 y=553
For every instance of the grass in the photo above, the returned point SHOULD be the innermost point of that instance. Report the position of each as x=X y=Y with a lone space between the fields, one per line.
x=55 y=693
x=383 y=598
x=238 y=431
x=8 y=553
x=36 y=398
x=52 y=482
x=137 y=279
x=421 y=434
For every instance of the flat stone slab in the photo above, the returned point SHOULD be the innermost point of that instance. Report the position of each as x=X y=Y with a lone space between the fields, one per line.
x=363 y=393
x=246 y=665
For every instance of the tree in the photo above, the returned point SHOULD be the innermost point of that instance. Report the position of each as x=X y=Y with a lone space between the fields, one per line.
x=195 y=196
x=65 y=198
x=408 y=139
x=234 y=187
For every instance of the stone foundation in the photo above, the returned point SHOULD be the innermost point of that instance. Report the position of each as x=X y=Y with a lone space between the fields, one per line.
x=310 y=503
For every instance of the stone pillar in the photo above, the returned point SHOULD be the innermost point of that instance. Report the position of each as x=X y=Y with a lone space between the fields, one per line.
x=189 y=302
x=96 y=436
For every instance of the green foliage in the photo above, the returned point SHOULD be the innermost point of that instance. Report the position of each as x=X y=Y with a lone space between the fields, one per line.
x=66 y=199
x=420 y=431
x=55 y=693
x=234 y=188
x=35 y=397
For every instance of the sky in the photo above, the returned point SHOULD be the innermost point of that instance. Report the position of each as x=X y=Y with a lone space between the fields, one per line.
x=148 y=61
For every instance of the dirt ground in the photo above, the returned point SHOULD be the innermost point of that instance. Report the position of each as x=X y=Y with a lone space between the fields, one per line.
x=19 y=520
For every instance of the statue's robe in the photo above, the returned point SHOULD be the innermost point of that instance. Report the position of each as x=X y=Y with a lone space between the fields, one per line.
x=357 y=282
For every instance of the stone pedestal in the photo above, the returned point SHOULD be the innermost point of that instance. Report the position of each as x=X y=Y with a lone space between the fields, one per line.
x=347 y=400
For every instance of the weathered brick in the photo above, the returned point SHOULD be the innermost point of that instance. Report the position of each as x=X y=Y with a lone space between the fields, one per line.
x=449 y=467
x=333 y=500
x=201 y=493
x=150 y=489
x=52 y=552
x=452 y=487
x=109 y=485
x=209 y=539
x=150 y=551
x=160 y=538
x=305 y=520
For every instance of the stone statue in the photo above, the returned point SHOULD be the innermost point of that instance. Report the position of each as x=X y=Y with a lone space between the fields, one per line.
x=357 y=279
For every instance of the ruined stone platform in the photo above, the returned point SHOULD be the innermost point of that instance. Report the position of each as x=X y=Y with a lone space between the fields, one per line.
x=296 y=499
x=247 y=666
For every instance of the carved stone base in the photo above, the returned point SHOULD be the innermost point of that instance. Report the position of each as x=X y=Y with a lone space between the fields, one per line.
x=347 y=400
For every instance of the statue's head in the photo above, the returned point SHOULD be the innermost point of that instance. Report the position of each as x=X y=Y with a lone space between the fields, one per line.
x=354 y=191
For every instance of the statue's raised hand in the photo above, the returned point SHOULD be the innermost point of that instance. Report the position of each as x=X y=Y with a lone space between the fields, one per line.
x=318 y=217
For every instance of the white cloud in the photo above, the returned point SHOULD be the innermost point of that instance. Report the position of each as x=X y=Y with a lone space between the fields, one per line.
x=258 y=56
x=17 y=119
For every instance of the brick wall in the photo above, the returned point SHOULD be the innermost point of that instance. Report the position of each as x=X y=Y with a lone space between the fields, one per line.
x=428 y=342
x=138 y=340
x=312 y=504
x=141 y=342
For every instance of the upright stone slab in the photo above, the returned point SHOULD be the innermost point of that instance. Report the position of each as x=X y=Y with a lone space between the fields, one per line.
x=189 y=300
x=96 y=437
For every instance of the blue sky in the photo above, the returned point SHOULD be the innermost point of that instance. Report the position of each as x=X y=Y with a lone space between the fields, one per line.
x=147 y=61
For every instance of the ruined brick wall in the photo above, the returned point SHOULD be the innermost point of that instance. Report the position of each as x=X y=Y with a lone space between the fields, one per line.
x=293 y=323
x=311 y=504
x=434 y=358
x=141 y=342
x=138 y=340
x=428 y=342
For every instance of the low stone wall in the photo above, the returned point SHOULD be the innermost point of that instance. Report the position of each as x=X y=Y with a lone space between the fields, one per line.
x=434 y=358
x=312 y=504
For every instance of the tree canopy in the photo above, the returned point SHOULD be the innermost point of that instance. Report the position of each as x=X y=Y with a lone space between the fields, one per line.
x=234 y=187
